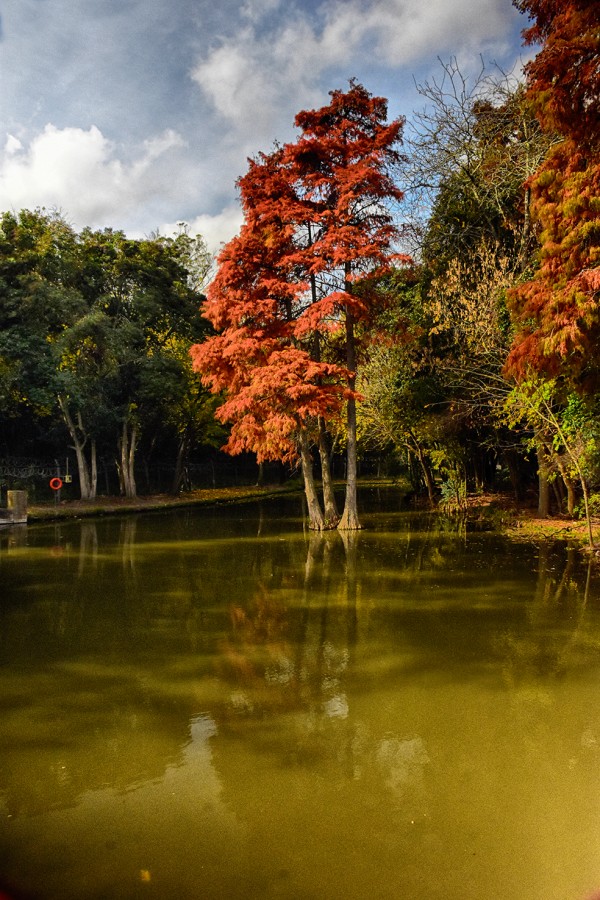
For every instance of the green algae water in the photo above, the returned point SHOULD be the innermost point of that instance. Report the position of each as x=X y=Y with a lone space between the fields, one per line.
x=218 y=704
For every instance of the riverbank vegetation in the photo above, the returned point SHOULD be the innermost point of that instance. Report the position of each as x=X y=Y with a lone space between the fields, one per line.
x=425 y=305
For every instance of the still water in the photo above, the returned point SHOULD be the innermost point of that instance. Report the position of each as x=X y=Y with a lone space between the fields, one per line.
x=215 y=704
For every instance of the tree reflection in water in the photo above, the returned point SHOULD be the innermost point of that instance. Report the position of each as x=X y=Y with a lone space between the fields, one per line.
x=290 y=714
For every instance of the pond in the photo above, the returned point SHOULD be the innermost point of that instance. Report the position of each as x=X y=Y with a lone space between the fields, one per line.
x=216 y=704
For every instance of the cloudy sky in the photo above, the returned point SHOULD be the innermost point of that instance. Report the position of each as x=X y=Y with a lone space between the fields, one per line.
x=137 y=114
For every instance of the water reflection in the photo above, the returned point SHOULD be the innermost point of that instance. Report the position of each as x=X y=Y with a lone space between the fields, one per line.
x=223 y=705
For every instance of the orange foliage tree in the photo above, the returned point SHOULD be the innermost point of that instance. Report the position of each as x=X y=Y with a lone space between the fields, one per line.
x=557 y=311
x=284 y=301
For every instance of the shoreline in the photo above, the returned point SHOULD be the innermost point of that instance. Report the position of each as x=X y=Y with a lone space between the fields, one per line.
x=518 y=520
x=115 y=506
x=501 y=512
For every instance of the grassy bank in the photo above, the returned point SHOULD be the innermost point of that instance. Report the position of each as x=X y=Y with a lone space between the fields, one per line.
x=106 y=506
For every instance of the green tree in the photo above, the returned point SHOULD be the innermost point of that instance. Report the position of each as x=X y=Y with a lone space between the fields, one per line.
x=38 y=299
x=566 y=434
x=142 y=297
x=401 y=395
x=88 y=325
x=475 y=147
x=469 y=153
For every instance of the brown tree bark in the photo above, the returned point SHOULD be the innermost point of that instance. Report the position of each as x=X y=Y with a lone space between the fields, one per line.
x=349 y=520
x=332 y=515
x=543 y=484
x=87 y=469
x=426 y=470
x=316 y=521
x=126 y=459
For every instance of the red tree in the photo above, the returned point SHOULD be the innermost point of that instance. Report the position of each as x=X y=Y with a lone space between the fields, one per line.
x=342 y=163
x=273 y=388
x=558 y=310
x=314 y=224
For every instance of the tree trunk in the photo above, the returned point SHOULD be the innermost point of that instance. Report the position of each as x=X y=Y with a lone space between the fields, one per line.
x=127 y=448
x=570 y=488
x=85 y=488
x=349 y=520
x=87 y=480
x=182 y=452
x=558 y=494
x=544 y=484
x=427 y=476
x=569 y=485
x=131 y=460
x=94 y=470
x=588 y=517
x=523 y=257
x=122 y=461
x=332 y=516
x=315 y=515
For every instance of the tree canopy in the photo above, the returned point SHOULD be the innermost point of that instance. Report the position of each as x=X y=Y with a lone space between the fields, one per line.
x=557 y=310
x=92 y=328
x=285 y=298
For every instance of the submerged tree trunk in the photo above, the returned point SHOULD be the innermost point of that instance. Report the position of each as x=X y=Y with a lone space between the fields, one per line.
x=332 y=516
x=315 y=515
x=349 y=520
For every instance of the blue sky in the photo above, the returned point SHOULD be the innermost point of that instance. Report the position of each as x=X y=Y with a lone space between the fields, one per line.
x=138 y=114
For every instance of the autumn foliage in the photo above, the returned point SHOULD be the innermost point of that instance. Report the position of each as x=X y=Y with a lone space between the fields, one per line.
x=284 y=301
x=557 y=310
x=270 y=381
x=563 y=77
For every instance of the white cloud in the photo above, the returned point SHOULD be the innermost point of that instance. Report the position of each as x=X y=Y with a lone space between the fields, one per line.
x=400 y=32
x=250 y=79
x=238 y=80
x=12 y=145
x=258 y=76
x=180 y=142
x=216 y=229
x=160 y=144
x=255 y=10
x=78 y=171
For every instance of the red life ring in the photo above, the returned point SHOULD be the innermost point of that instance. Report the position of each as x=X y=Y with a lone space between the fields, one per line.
x=56 y=484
